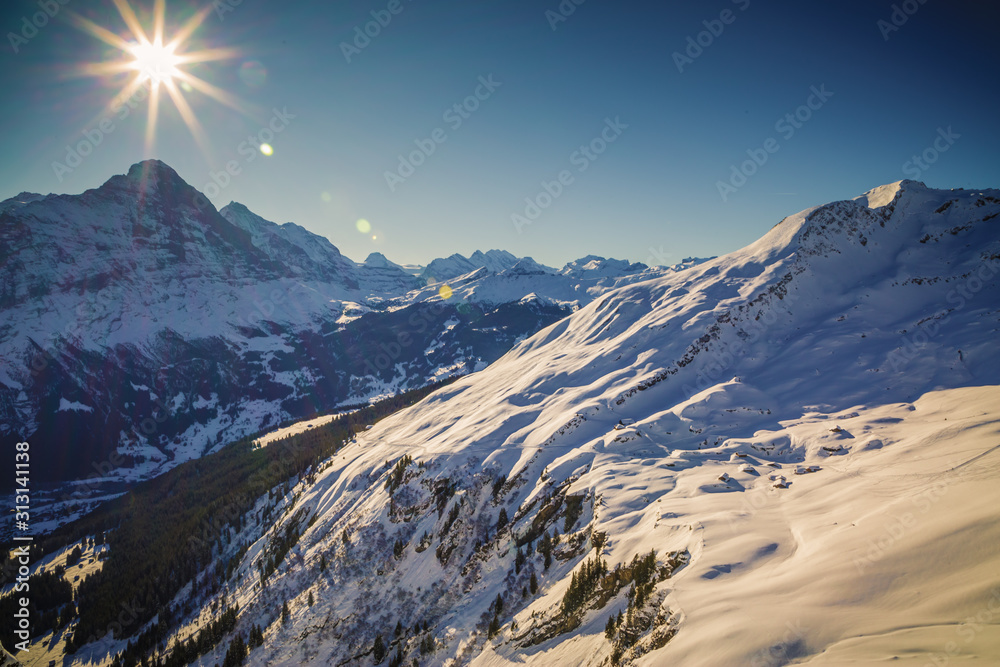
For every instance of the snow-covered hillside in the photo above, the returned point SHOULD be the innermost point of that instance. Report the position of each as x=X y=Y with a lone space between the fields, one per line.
x=805 y=431
x=140 y=327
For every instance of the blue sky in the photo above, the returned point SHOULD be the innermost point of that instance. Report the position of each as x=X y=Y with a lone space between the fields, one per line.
x=647 y=190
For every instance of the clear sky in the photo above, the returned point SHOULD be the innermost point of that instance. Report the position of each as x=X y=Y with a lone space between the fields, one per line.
x=923 y=82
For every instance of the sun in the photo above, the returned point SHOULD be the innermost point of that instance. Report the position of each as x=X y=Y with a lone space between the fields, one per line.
x=155 y=62
x=158 y=64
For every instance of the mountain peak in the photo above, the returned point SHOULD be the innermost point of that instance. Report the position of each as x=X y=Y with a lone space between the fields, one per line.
x=21 y=199
x=592 y=265
x=380 y=261
x=493 y=253
x=152 y=171
x=886 y=194
x=526 y=266
x=237 y=207
x=156 y=180
x=495 y=261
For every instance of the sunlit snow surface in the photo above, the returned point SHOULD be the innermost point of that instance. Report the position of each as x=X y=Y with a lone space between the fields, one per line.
x=814 y=418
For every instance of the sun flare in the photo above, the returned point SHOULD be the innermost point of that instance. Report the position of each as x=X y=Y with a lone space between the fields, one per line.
x=155 y=62
x=158 y=65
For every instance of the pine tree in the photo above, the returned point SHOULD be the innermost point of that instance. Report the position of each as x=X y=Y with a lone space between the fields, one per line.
x=74 y=556
x=494 y=628
x=378 y=649
x=239 y=649
x=545 y=548
x=610 y=627
x=285 y=613
x=256 y=638
x=502 y=519
x=322 y=563
x=311 y=599
x=533 y=584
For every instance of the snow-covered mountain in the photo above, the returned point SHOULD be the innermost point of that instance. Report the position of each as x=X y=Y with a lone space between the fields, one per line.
x=314 y=257
x=140 y=327
x=804 y=431
x=446 y=268
x=527 y=281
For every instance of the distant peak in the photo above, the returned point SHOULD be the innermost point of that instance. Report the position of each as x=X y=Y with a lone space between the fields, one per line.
x=152 y=169
x=22 y=199
x=237 y=207
x=28 y=196
x=526 y=266
x=886 y=194
x=380 y=261
x=238 y=214
x=156 y=177
x=592 y=265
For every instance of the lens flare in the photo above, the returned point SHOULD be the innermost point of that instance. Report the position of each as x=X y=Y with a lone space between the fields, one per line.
x=155 y=62
x=445 y=292
x=157 y=65
x=253 y=74
x=363 y=226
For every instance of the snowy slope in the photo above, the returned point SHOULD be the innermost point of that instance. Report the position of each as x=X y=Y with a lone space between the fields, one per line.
x=170 y=328
x=809 y=426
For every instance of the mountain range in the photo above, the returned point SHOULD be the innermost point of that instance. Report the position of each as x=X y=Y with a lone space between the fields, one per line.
x=140 y=327
x=784 y=455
